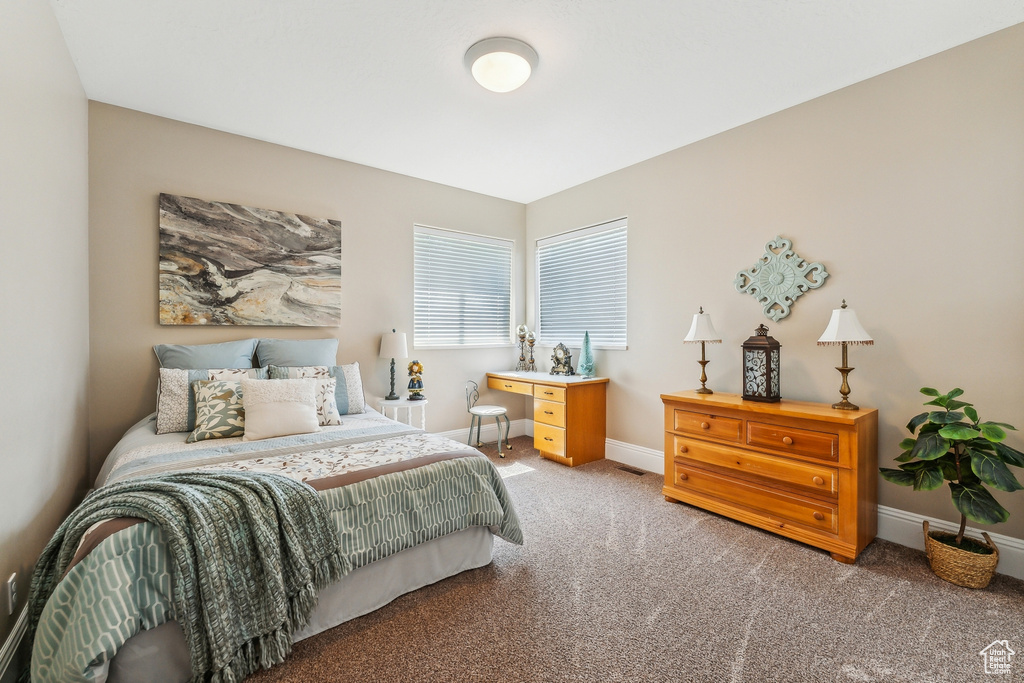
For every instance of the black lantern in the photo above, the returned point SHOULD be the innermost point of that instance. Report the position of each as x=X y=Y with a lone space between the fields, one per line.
x=761 y=367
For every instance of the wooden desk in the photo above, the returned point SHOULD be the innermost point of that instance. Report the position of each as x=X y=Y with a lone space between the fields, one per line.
x=568 y=413
x=802 y=470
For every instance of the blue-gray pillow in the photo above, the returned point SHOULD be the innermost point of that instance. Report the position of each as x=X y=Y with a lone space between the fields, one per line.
x=234 y=354
x=297 y=352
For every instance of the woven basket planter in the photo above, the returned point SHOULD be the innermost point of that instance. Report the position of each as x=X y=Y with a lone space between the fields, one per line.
x=961 y=567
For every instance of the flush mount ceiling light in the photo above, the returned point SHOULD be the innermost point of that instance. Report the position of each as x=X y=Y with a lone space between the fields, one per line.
x=501 y=64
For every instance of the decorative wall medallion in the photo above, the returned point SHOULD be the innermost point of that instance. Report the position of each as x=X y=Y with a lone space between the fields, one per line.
x=779 y=278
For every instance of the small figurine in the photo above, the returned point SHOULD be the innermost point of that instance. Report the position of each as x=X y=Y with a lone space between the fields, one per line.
x=531 y=339
x=523 y=332
x=416 y=383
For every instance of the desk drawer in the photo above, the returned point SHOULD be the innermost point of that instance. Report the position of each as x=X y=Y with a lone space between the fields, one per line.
x=549 y=439
x=714 y=426
x=822 y=445
x=549 y=393
x=549 y=412
x=510 y=385
x=773 y=469
x=774 y=505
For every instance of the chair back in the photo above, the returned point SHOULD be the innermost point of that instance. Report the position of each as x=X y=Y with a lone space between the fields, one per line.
x=472 y=394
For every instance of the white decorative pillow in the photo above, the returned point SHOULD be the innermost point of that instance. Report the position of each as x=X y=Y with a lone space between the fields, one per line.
x=326 y=403
x=279 y=407
x=175 y=400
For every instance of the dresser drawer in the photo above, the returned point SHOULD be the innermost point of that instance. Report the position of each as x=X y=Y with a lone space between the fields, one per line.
x=549 y=393
x=549 y=439
x=510 y=385
x=823 y=445
x=774 y=470
x=774 y=505
x=549 y=412
x=715 y=426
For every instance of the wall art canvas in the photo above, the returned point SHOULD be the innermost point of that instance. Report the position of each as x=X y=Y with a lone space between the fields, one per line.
x=226 y=264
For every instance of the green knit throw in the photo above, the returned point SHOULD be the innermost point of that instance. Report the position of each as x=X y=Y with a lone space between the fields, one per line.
x=250 y=553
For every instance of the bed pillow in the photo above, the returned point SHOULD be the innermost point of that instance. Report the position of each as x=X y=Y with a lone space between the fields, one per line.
x=175 y=399
x=349 y=390
x=279 y=407
x=234 y=354
x=220 y=412
x=297 y=352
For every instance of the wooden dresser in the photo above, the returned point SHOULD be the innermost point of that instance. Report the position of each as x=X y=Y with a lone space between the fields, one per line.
x=568 y=413
x=802 y=470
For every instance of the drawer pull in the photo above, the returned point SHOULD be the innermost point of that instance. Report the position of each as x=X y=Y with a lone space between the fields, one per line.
x=705 y=425
x=548 y=438
x=549 y=393
x=683 y=476
x=548 y=412
x=508 y=386
x=683 y=449
x=818 y=516
x=818 y=480
x=788 y=440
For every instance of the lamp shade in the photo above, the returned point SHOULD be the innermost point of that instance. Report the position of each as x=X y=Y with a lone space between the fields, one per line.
x=844 y=327
x=701 y=329
x=392 y=345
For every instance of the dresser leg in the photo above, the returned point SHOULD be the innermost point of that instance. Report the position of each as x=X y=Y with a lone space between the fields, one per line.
x=843 y=558
x=670 y=499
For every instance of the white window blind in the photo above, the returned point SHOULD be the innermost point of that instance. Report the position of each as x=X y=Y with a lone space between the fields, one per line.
x=463 y=289
x=581 y=286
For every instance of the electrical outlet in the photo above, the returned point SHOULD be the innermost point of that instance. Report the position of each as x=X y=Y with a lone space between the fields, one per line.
x=12 y=593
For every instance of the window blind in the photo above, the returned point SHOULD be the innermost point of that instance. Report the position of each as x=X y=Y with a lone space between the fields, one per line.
x=463 y=289
x=581 y=286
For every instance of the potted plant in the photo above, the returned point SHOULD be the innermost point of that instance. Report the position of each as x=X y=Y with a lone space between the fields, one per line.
x=951 y=444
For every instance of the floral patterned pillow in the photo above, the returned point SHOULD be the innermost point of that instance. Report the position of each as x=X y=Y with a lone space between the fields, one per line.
x=348 y=393
x=219 y=410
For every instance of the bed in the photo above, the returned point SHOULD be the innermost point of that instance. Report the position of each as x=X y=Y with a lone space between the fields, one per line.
x=364 y=468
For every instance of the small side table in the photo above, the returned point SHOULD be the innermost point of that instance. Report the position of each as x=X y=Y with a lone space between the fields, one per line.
x=408 y=406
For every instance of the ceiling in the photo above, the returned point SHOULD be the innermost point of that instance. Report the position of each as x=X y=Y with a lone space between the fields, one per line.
x=383 y=83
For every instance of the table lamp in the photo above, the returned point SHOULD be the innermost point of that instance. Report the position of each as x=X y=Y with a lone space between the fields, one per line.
x=701 y=330
x=392 y=345
x=844 y=328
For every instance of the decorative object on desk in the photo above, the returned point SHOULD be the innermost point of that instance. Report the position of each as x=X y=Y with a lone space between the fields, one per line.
x=416 y=381
x=844 y=328
x=478 y=413
x=586 y=365
x=761 y=367
x=952 y=444
x=393 y=345
x=531 y=339
x=701 y=330
x=779 y=277
x=522 y=331
x=226 y=264
x=561 y=360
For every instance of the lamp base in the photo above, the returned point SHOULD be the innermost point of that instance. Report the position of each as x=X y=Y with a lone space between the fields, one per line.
x=392 y=396
x=704 y=390
x=845 y=405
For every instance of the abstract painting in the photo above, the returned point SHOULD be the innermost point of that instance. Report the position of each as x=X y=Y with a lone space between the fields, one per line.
x=225 y=264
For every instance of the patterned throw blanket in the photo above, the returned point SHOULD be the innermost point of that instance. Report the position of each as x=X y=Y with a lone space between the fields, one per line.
x=250 y=551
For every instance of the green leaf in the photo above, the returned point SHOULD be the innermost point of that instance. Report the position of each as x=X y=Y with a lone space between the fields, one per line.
x=928 y=391
x=956 y=405
x=916 y=422
x=940 y=417
x=959 y=432
x=930 y=446
x=905 y=456
x=991 y=470
x=977 y=504
x=971 y=413
x=939 y=401
x=956 y=392
x=1003 y=425
x=992 y=432
x=907 y=444
x=897 y=476
x=1010 y=455
x=928 y=478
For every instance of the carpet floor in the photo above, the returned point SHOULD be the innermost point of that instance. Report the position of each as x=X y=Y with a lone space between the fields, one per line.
x=616 y=584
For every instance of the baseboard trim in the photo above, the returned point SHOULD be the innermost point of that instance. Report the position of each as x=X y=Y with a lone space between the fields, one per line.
x=898 y=526
x=13 y=643
x=489 y=432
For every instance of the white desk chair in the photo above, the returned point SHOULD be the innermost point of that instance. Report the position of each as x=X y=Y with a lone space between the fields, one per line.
x=477 y=413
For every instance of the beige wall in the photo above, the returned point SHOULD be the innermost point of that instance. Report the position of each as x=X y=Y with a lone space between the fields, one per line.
x=909 y=187
x=134 y=157
x=44 y=287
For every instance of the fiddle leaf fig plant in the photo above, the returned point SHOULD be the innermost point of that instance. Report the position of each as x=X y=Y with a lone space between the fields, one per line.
x=952 y=444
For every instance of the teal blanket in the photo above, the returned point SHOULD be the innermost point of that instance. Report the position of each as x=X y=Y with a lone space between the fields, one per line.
x=247 y=555
x=124 y=585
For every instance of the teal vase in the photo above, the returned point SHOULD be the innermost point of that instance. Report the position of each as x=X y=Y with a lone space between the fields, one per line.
x=586 y=365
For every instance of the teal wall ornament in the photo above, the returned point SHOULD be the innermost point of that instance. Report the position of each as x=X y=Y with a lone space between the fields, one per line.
x=779 y=278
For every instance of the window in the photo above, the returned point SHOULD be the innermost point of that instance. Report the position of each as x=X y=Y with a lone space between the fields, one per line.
x=581 y=286
x=463 y=289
